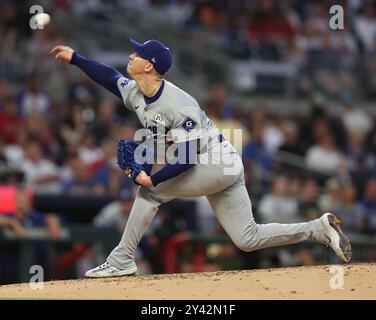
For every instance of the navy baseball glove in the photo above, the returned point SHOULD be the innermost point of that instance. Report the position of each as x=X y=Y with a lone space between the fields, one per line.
x=130 y=160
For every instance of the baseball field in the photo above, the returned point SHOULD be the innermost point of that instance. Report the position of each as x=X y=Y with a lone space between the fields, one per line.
x=358 y=282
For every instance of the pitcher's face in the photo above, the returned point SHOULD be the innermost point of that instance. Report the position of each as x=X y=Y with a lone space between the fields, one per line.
x=137 y=65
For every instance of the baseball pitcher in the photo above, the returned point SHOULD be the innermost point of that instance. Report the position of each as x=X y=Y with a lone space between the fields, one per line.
x=207 y=165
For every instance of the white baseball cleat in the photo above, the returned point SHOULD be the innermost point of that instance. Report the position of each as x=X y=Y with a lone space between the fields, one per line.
x=107 y=270
x=335 y=238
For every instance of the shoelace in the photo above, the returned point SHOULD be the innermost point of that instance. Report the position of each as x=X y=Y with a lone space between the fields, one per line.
x=104 y=265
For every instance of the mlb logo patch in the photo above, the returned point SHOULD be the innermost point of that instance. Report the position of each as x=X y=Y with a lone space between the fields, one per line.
x=123 y=83
x=189 y=124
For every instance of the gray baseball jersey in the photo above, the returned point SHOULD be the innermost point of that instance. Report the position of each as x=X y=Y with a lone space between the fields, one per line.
x=175 y=114
x=178 y=115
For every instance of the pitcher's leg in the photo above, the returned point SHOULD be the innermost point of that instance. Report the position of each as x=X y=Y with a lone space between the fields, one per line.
x=233 y=209
x=143 y=211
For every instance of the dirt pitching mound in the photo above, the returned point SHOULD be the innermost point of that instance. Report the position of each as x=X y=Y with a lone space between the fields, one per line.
x=359 y=282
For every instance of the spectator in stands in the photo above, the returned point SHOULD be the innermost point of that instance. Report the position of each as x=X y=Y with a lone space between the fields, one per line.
x=370 y=140
x=348 y=211
x=84 y=91
x=312 y=36
x=83 y=182
x=26 y=216
x=318 y=19
x=329 y=199
x=3 y=160
x=105 y=120
x=33 y=98
x=255 y=151
x=273 y=137
x=10 y=121
x=107 y=173
x=67 y=169
x=220 y=101
x=368 y=205
x=115 y=214
x=291 y=140
x=296 y=182
x=42 y=175
x=39 y=128
x=353 y=118
x=88 y=151
x=14 y=224
x=324 y=157
x=343 y=42
x=14 y=153
x=256 y=158
x=6 y=90
x=9 y=16
x=358 y=158
x=24 y=219
x=308 y=200
x=274 y=26
x=313 y=125
x=278 y=205
x=365 y=27
x=73 y=128
x=180 y=11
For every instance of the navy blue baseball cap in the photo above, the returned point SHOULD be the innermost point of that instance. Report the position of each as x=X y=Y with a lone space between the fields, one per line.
x=155 y=52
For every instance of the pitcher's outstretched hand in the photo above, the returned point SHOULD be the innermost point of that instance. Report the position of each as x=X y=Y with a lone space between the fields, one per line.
x=63 y=53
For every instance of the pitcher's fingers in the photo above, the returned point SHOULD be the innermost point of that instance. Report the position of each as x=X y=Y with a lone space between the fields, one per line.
x=57 y=48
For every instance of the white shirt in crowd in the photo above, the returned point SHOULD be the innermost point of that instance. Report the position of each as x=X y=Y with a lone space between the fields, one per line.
x=35 y=102
x=90 y=155
x=366 y=31
x=42 y=168
x=324 y=160
x=273 y=208
x=356 y=120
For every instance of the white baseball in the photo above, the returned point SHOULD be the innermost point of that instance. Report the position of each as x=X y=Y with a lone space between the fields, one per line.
x=41 y=19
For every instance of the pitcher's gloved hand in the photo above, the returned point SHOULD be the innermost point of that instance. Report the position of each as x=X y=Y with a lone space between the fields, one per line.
x=131 y=160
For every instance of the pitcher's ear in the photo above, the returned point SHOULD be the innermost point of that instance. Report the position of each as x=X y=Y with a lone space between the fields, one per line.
x=149 y=67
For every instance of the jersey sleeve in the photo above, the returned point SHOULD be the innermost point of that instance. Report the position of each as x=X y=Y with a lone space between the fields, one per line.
x=128 y=89
x=101 y=73
x=185 y=126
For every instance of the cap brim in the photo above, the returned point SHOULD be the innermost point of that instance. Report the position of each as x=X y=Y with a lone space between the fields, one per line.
x=137 y=47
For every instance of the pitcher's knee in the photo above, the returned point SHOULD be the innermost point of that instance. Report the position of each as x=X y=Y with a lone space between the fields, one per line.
x=245 y=245
x=248 y=241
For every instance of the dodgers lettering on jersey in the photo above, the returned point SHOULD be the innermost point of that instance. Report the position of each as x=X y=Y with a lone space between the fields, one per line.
x=176 y=115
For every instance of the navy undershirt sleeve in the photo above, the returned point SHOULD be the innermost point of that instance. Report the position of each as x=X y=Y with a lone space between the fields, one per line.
x=189 y=157
x=101 y=73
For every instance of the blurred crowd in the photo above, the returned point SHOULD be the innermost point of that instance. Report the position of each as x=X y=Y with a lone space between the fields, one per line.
x=291 y=32
x=58 y=129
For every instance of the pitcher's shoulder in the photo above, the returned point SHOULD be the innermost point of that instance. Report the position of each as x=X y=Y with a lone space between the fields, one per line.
x=179 y=96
